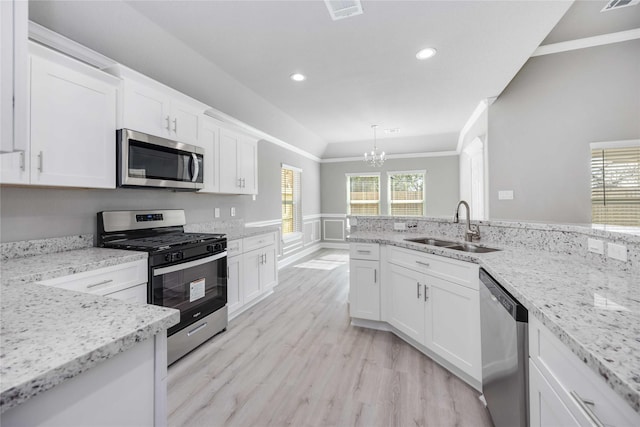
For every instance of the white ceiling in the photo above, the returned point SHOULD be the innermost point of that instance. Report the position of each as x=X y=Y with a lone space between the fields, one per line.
x=362 y=70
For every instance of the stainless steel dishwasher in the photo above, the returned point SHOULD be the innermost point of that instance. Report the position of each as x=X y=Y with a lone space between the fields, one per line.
x=505 y=373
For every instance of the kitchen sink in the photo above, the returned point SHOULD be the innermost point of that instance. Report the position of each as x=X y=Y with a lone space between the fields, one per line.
x=456 y=246
x=467 y=247
x=431 y=241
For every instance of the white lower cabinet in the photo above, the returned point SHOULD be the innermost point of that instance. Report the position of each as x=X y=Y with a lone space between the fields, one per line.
x=252 y=271
x=564 y=391
x=431 y=300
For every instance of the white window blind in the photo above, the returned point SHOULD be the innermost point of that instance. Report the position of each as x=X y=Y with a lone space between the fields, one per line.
x=406 y=193
x=291 y=203
x=363 y=194
x=615 y=185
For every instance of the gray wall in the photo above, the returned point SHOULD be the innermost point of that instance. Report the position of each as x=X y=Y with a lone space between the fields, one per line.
x=541 y=126
x=34 y=213
x=120 y=32
x=441 y=186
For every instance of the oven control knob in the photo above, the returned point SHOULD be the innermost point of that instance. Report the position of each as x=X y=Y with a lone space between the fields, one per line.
x=177 y=256
x=219 y=247
x=167 y=257
x=210 y=248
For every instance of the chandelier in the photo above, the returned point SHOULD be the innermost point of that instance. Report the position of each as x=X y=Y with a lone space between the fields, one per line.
x=374 y=158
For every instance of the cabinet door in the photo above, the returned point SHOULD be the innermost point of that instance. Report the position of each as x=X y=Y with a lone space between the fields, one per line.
x=251 y=272
x=234 y=283
x=209 y=141
x=248 y=165
x=229 y=179
x=545 y=406
x=73 y=124
x=364 y=289
x=406 y=304
x=268 y=268
x=452 y=324
x=186 y=122
x=146 y=110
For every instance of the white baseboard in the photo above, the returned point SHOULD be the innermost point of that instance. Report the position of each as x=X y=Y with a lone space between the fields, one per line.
x=249 y=305
x=308 y=251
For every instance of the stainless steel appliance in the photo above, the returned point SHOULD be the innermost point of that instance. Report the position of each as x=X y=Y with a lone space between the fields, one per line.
x=150 y=161
x=505 y=373
x=187 y=271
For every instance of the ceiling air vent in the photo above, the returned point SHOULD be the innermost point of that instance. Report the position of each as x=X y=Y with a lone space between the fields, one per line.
x=340 y=9
x=617 y=4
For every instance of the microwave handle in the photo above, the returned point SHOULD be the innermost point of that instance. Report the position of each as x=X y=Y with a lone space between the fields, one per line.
x=196 y=166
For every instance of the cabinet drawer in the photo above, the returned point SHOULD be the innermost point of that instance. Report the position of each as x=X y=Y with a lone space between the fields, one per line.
x=572 y=379
x=463 y=273
x=104 y=280
x=364 y=251
x=234 y=247
x=259 y=241
x=136 y=294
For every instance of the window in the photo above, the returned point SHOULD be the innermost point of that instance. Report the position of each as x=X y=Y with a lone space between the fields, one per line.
x=291 y=206
x=615 y=183
x=406 y=193
x=363 y=194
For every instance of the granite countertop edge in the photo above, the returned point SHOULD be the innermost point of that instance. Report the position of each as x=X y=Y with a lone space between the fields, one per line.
x=20 y=393
x=592 y=360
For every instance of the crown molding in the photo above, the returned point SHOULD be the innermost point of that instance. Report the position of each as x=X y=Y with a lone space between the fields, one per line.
x=393 y=156
x=586 y=42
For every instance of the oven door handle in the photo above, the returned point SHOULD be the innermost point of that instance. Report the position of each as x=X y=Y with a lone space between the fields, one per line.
x=189 y=264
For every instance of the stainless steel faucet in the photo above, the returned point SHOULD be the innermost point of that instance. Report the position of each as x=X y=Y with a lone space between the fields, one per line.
x=473 y=231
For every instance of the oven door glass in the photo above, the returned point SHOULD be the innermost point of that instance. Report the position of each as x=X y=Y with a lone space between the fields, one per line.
x=155 y=162
x=195 y=287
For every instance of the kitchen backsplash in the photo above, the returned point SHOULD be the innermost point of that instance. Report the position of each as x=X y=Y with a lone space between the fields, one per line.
x=569 y=239
x=26 y=248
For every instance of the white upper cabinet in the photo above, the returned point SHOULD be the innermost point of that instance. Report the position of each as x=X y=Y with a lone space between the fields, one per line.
x=150 y=107
x=14 y=78
x=210 y=143
x=239 y=163
x=72 y=122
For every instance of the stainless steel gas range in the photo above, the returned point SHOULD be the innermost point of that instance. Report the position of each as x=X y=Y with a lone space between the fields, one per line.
x=187 y=271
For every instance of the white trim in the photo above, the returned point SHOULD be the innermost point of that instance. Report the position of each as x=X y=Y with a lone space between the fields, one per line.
x=324 y=229
x=219 y=115
x=615 y=144
x=293 y=168
x=362 y=174
x=482 y=105
x=311 y=217
x=250 y=304
x=423 y=171
x=290 y=238
x=327 y=245
x=298 y=255
x=263 y=223
x=62 y=44
x=371 y=324
x=586 y=42
x=393 y=156
x=327 y=215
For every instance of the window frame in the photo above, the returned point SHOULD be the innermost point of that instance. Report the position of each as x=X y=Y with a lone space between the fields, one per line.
x=608 y=220
x=350 y=175
x=389 y=174
x=296 y=203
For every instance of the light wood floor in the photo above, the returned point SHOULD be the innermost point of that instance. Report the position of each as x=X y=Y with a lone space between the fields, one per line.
x=294 y=359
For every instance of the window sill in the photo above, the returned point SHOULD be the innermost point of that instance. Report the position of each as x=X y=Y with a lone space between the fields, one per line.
x=291 y=237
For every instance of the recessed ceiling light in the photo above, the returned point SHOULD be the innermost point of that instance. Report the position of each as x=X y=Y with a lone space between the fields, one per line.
x=297 y=77
x=426 y=53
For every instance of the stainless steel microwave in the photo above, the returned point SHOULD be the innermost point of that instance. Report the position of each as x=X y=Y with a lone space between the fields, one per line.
x=150 y=161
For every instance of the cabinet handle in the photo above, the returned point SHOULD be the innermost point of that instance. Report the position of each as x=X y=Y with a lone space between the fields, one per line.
x=375 y=275
x=360 y=251
x=40 y=161
x=175 y=125
x=418 y=289
x=426 y=264
x=426 y=292
x=240 y=182
x=168 y=119
x=586 y=404
x=227 y=272
x=104 y=282
x=22 y=165
x=243 y=183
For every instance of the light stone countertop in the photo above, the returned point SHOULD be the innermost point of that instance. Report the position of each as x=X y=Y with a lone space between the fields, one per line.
x=594 y=310
x=233 y=232
x=50 y=335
